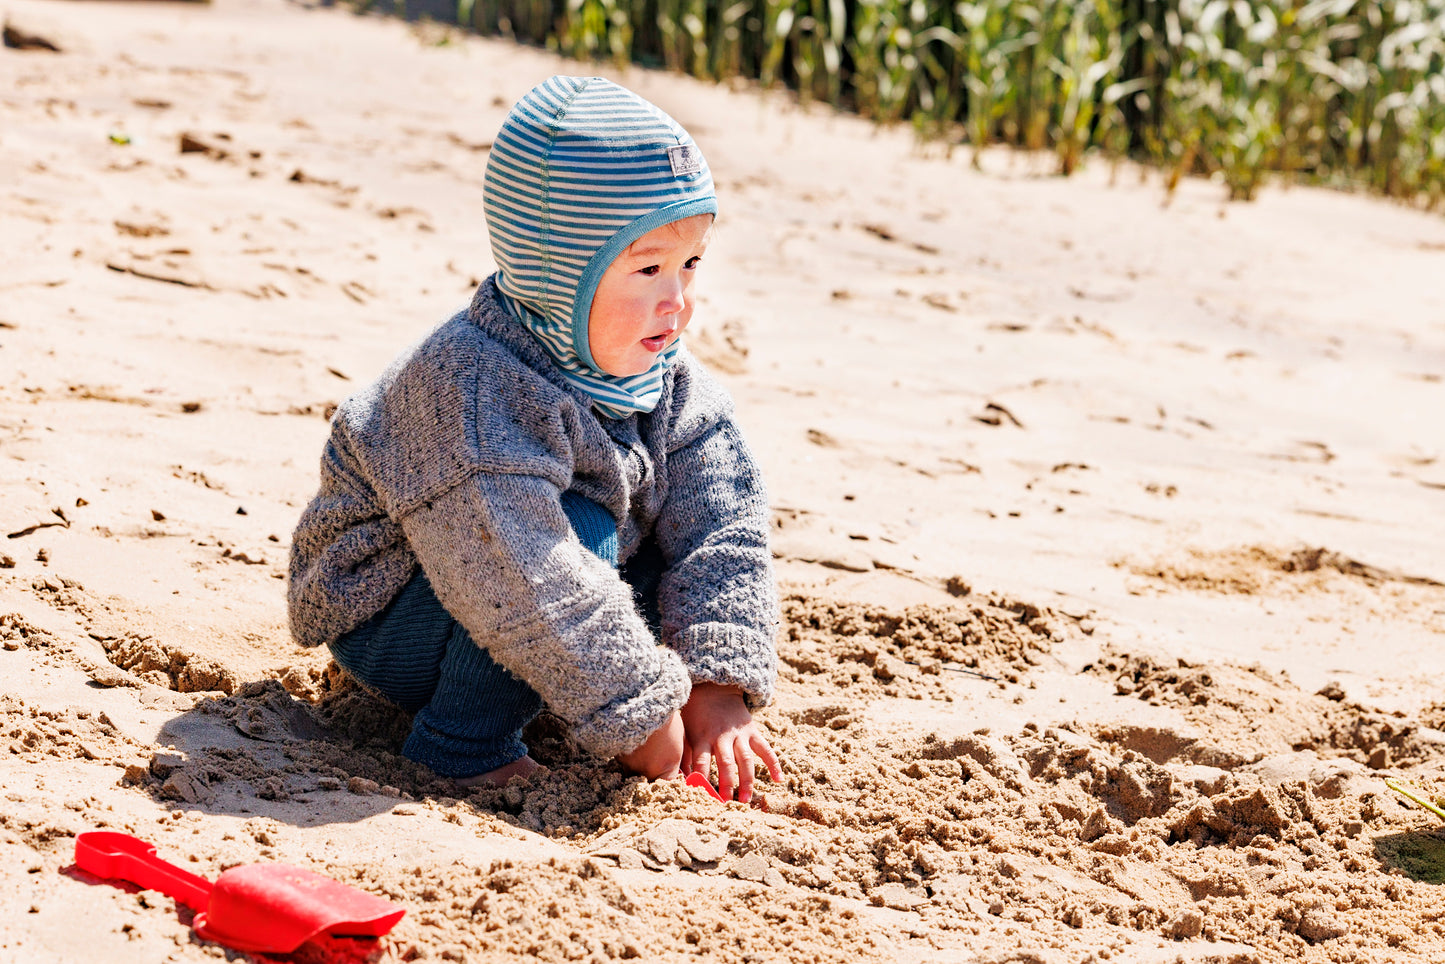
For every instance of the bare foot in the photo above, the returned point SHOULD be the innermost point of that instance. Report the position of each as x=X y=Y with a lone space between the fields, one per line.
x=523 y=767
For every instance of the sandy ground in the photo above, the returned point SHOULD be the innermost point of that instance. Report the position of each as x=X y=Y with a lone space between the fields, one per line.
x=1110 y=529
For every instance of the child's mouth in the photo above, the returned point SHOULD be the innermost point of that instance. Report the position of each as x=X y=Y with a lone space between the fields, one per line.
x=656 y=342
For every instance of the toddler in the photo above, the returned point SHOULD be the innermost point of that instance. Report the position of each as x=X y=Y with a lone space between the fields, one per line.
x=548 y=486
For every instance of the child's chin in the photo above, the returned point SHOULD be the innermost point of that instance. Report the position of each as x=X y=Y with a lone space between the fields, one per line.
x=635 y=368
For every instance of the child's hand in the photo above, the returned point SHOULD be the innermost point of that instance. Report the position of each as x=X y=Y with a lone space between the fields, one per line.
x=719 y=727
x=660 y=755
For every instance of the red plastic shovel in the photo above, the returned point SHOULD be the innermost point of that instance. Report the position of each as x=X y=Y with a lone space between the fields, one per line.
x=273 y=908
x=695 y=779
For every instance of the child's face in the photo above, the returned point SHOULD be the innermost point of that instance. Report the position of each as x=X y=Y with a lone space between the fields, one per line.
x=645 y=300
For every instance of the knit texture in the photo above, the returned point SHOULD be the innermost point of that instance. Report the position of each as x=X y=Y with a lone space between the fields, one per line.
x=469 y=710
x=456 y=460
x=594 y=525
x=581 y=169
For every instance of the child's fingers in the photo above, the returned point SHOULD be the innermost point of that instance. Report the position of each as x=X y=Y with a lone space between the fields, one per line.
x=686 y=757
x=727 y=770
x=746 y=763
x=745 y=775
x=760 y=746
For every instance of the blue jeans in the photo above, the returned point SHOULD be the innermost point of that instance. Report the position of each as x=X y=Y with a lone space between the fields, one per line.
x=469 y=711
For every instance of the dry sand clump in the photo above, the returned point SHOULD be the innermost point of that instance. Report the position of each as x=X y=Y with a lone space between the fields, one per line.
x=830 y=647
x=1257 y=569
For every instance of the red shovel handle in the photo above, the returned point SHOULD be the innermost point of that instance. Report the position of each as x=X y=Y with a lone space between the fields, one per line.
x=119 y=856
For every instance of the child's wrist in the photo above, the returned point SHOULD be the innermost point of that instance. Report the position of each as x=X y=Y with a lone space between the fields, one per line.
x=730 y=688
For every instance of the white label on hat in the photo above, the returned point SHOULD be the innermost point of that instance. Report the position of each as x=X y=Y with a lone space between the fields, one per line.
x=685 y=158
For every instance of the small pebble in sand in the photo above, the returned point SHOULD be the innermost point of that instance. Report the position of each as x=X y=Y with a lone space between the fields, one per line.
x=1320 y=924
x=1185 y=924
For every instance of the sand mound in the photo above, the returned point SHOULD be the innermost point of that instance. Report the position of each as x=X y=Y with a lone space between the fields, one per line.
x=1259 y=841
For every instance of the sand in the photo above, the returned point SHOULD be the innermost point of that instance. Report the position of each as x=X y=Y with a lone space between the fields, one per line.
x=1108 y=526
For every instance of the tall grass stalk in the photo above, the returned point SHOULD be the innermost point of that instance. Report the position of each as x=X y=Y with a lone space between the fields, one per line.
x=1333 y=91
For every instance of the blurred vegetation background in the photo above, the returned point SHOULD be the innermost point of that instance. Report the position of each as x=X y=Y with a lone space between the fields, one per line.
x=1340 y=92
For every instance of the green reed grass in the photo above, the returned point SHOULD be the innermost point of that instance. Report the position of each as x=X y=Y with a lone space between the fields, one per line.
x=1333 y=91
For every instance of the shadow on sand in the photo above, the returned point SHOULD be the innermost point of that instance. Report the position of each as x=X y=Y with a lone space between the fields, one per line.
x=1418 y=854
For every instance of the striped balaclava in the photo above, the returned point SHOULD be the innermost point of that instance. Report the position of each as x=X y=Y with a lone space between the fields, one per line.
x=581 y=169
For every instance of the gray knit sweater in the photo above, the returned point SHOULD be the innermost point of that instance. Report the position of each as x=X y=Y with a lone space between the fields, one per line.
x=455 y=459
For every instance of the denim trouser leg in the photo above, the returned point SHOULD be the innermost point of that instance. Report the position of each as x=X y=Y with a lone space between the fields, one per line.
x=469 y=710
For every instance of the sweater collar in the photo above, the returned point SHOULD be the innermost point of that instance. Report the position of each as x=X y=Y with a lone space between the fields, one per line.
x=489 y=312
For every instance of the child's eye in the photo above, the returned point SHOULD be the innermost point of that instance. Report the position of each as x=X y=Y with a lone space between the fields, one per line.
x=650 y=270
x=693 y=262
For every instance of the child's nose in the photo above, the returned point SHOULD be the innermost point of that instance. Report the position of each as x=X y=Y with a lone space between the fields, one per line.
x=672 y=300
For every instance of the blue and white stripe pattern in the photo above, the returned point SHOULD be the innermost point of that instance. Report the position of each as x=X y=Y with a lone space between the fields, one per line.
x=581 y=169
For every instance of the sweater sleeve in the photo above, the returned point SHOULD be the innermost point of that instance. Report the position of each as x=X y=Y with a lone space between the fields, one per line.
x=504 y=561
x=718 y=596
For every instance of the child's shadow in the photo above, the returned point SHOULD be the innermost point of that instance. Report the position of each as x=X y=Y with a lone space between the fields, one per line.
x=333 y=757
